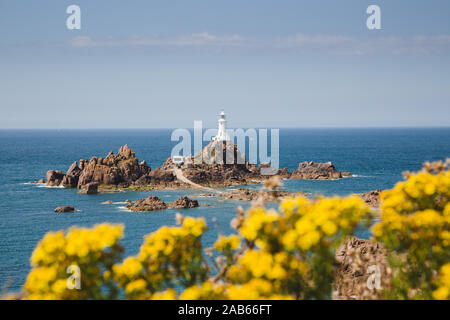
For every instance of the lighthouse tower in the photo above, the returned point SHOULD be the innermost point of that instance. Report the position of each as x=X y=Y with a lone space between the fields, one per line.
x=222 y=132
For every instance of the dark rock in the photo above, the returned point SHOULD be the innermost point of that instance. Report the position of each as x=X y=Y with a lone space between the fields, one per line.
x=184 y=203
x=316 y=171
x=150 y=203
x=284 y=173
x=123 y=168
x=153 y=203
x=54 y=177
x=90 y=188
x=65 y=209
x=158 y=176
x=71 y=178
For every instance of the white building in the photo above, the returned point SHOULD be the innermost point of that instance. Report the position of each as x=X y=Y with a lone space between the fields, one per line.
x=222 y=131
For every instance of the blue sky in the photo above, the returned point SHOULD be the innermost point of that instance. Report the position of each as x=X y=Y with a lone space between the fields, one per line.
x=153 y=64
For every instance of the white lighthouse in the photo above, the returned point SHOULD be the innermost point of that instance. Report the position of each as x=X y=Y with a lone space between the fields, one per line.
x=222 y=131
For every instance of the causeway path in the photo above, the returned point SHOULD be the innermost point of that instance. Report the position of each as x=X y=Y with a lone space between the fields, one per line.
x=179 y=174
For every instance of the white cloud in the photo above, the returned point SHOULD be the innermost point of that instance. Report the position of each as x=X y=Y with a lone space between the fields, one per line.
x=196 y=39
x=331 y=44
x=82 y=41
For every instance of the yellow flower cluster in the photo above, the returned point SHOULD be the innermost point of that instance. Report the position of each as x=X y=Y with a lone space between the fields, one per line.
x=293 y=243
x=278 y=267
x=205 y=291
x=418 y=203
x=443 y=292
x=231 y=242
x=255 y=289
x=303 y=224
x=91 y=250
x=170 y=256
x=415 y=224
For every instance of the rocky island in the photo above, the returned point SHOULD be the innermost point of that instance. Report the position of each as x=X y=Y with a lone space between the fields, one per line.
x=62 y=209
x=318 y=171
x=124 y=171
x=153 y=203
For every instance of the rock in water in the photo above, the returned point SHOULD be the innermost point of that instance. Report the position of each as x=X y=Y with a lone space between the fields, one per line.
x=316 y=171
x=184 y=203
x=70 y=180
x=54 y=177
x=90 y=188
x=65 y=209
x=122 y=168
x=150 y=203
x=153 y=203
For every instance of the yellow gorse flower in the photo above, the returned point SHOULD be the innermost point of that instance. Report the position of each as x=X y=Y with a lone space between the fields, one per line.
x=231 y=242
x=415 y=223
x=169 y=256
x=88 y=249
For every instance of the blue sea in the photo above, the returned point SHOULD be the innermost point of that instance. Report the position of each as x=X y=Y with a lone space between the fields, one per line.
x=377 y=158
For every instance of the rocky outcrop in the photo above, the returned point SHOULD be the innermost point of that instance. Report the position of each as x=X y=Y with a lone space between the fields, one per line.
x=54 y=177
x=115 y=169
x=218 y=175
x=371 y=198
x=70 y=179
x=357 y=260
x=159 y=177
x=153 y=203
x=220 y=152
x=90 y=188
x=65 y=209
x=122 y=168
x=150 y=203
x=184 y=203
x=316 y=171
